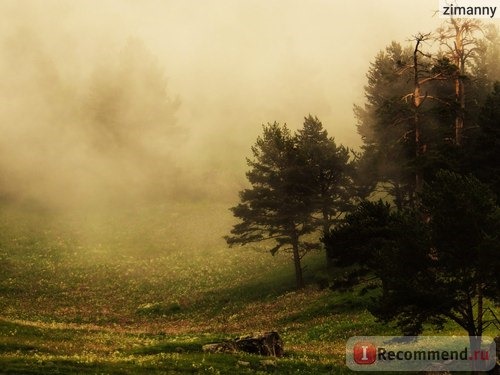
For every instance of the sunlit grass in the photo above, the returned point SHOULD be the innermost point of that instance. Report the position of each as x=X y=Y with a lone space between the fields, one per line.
x=142 y=290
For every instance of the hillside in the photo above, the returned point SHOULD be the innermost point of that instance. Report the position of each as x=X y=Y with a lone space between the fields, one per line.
x=142 y=290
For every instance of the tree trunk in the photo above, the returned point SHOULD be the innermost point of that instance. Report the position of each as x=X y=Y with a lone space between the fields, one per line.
x=479 y=327
x=475 y=348
x=419 y=180
x=417 y=102
x=398 y=196
x=326 y=230
x=460 y=43
x=475 y=335
x=459 y=119
x=296 y=261
x=329 y=261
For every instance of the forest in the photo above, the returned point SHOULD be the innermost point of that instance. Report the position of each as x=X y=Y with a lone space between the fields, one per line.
x=132 y=243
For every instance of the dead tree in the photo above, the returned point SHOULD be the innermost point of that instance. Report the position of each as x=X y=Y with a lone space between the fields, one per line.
x=458 y=37
x=421 y=75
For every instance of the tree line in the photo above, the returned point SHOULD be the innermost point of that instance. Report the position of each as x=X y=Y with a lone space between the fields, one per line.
x=417 y=208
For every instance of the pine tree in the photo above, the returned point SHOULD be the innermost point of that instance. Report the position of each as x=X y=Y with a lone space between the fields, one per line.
x=278 y=207
x=452 y=258
x=331 y=172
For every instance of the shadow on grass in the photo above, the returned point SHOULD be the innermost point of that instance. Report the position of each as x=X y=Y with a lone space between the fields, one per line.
x=9 y=347
x=28 y=366
x=178 y=364
x=265 y=289
x=334 y=303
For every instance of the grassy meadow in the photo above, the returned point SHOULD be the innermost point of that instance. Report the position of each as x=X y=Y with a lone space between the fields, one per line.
x=141 y=290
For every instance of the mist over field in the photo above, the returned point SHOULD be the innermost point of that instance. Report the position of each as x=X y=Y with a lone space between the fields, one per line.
x=237 y=186
x=123 y=100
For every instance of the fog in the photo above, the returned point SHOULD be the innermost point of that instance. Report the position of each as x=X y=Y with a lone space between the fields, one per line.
x=130 y=100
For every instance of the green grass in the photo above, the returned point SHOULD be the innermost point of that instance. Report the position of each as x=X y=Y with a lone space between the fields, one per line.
x=141 y=290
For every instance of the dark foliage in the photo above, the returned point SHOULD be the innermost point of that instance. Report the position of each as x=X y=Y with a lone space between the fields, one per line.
x=432 y=268
x=299 y=184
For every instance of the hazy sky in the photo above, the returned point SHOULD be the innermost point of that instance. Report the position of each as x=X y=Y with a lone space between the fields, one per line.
x=233 y=64
x=238 y=63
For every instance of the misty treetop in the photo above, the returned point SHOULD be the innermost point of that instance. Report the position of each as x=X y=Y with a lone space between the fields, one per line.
x=330 y=168
x=88 y=136
x=423 y=108
x=299 y=184
x=128 y=106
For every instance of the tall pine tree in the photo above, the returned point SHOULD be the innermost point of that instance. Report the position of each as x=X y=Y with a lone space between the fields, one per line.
x=278 y=207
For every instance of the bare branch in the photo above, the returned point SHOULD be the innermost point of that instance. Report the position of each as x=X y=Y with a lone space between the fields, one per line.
x=406 y=97
x=436 y=77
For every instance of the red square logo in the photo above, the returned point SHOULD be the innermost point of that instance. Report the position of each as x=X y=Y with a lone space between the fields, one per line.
x=365 y=353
